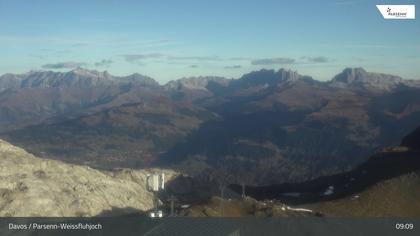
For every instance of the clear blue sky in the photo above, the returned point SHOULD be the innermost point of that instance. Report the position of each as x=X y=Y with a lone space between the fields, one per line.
x=179 y=38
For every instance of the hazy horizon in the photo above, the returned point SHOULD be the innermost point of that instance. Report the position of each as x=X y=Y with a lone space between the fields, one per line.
x=176 y=39
x=196 y=76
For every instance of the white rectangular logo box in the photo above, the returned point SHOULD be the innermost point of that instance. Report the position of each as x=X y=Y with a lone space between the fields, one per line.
x=398 y=12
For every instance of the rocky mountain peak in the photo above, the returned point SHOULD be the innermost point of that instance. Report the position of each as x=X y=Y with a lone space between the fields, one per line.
x=195 y=83
x=92 y=74
x=360 y=78
x=75 y=78
x=79 y=78
x=267 y=78
x=81 y=70
x=350 y=75
x=9 y=81
x=288 y=75
x=139 y=79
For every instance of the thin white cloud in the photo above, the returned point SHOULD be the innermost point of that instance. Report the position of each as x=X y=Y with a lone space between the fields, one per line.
x=319 y=59
x=274 y=61
x=140 y=57
x=64 y=65
x=233 y=67
x=104 y=63
x=195 y=58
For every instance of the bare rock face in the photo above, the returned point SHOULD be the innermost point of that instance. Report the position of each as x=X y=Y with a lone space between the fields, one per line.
x=31 y=186
x=196 y=83
x=360 y=78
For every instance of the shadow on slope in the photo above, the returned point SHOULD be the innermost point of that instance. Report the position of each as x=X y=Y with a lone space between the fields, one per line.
x=387 y=164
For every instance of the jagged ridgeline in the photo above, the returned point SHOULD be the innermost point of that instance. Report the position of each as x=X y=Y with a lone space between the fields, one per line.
x=266 y=127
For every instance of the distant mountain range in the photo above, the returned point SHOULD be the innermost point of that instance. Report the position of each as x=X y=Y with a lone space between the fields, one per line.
x=35 y=96
x=270 y=126
x=77 y=78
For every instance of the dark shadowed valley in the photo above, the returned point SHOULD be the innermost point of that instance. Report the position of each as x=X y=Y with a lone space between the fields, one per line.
x=266 y=127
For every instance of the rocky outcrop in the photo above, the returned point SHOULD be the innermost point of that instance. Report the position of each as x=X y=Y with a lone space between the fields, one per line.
x=360 y=78
x=266 y=78
x=195 y=83
x=31 y=186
